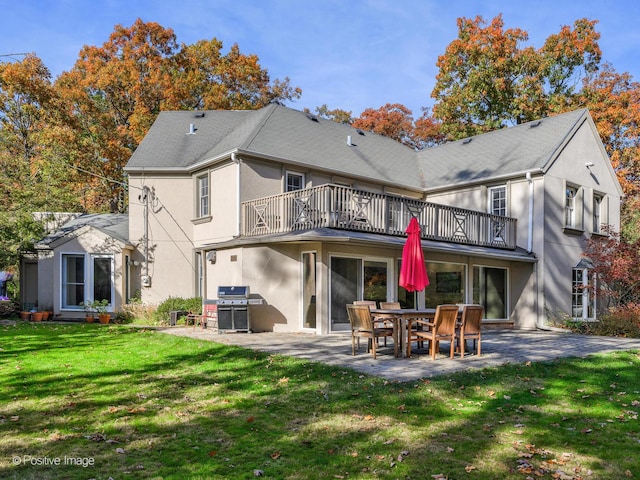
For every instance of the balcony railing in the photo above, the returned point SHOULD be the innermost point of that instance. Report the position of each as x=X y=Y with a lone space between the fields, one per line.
x=335 y=206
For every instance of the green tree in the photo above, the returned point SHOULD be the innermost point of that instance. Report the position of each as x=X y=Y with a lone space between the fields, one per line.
x=488 y=80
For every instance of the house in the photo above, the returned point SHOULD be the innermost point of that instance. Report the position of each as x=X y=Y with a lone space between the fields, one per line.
x=310 y=214
x=86 y=258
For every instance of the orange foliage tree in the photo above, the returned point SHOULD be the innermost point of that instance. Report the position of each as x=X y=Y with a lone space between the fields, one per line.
x=115 y=91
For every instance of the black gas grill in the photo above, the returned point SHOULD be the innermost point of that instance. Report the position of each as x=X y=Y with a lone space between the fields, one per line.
x=233 y=308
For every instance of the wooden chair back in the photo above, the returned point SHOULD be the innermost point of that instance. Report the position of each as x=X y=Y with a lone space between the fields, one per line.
x=360 y=318
x=390 y=305
x=445 y=319
x=370 y=303
x=472 y=319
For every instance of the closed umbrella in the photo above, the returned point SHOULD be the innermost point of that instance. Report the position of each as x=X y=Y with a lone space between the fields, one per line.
x=413 y=271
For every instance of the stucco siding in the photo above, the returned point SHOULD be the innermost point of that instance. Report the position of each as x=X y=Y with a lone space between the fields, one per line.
x=170 y=233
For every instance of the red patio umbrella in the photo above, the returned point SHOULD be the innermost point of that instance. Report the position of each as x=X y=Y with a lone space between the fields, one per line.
x=413 y=272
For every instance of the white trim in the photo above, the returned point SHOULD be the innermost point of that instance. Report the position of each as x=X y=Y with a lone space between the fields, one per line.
x=287 y=173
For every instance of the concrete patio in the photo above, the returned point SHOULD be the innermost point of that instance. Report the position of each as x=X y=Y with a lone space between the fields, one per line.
x=499 y=347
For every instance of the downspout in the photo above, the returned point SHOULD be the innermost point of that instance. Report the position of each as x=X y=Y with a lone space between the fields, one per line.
x=536 y=305
x=235 y=160
x=530 y=235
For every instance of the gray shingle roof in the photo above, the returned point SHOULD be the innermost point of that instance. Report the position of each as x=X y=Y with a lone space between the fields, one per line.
x=532 y=146
x=114 y=225
x=283 y=133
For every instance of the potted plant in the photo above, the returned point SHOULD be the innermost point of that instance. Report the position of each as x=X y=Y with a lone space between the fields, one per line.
x=88 y=311
x=102 y=306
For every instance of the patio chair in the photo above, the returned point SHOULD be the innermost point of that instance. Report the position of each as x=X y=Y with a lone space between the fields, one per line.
x=362 y=325
x=372 y=304
x=443 y=327
x=470 y=328
x=390 y=305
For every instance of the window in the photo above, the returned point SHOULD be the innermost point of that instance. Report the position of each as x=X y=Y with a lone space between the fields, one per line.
x=203 y=196
x=497 y=206
x=294 y=181
x=490 y=287
x=597 y=212
x=73 y=280
x=582 y=300
x=447 y=284
x=570 y=206
x=356 y=279
x=199 y=275
x=86 y=278
x=309 y=290
x=498 y=200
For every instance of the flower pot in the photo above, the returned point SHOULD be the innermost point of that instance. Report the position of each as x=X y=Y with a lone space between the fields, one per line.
x=37 y=316
x=104 y=317
x=46 y=315
x=25 y=315
x=89 y=318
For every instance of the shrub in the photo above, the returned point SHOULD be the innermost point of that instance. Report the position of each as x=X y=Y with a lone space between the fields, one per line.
x=622 y=321
x=163 y=312
x=8 y=308
x=136 y=312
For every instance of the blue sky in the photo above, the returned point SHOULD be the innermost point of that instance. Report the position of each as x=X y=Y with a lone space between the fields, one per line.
x=349 y=54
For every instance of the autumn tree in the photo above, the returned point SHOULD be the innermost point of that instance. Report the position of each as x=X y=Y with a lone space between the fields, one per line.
x=391 y=120
x=117 y=90
x=488 y=80
x=614 y=102
x=337 y=115
x=32 y=179
x=25 y=93
x=616 y=264
x=427 y=131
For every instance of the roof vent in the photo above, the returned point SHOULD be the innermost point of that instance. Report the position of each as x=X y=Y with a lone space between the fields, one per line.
x=467 y=140
x=360 y=132
x=312 y=117
x=192 y=129
x=349 y=141
x=199 y=115
x=535 y=124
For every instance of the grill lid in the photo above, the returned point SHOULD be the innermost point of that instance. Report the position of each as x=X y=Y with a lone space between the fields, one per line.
x=233 y=292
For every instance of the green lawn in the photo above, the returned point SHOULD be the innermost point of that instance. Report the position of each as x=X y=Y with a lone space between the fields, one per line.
x=93 y=401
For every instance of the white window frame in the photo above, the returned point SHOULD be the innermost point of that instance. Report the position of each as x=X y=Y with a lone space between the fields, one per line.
x=495 y=194
x=288 y=186
x=571 y=206
x=88 y=284
x=586 y=294
x=598 y=205
x=391 y=278
x=203 y=187
x=499 y=191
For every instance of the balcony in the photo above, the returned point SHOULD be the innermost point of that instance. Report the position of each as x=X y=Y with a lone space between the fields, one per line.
x=335 y=206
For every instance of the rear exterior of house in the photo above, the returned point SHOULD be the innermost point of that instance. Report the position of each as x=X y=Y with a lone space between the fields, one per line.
x=310 y=215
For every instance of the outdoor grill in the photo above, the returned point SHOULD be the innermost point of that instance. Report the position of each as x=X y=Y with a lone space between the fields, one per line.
x=233 y=308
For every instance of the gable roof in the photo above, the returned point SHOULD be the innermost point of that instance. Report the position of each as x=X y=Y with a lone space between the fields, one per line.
x=528 y=147
x=294 y=137
x=113 y=225
x=274 y=132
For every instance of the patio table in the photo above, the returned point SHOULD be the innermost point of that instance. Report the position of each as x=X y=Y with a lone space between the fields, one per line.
x=400 y=317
